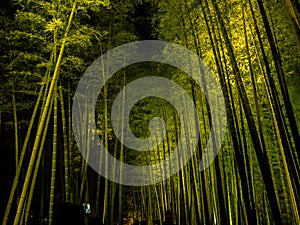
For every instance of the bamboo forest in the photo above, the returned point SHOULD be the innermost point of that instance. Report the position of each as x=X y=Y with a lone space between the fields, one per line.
x=147 y=112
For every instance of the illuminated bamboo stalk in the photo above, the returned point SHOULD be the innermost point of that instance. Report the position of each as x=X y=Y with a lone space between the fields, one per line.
x=122 y=155
x=293 y=16
x=279 y=123
x=20 y=163
x=86 y=134
x=231 y=114
x=42 y=122
x=194 y=163
x=114 y=186
x=288 y=176
x=259 y=150
x=159 y=214
x=258 y=117
x=83 y=183
x=54 y=153
x=37 y=165
x=189 y=174
x=16 y=128
x=70 y=147
x=66 y=150
x=198 y=51
x=292 y=156
x=97 y=207
x=105 y=202
x=178 y=184
x=150 y=212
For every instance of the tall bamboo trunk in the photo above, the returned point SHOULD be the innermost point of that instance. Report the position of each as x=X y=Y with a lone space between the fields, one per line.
x=16 y=128
x=294 y=157
x=65 y=141
x=42 y=122
x=264 y=165
x=37 y=165
x=234 y=133
x=53 y=167
x=291 y=160
x=21 y=158
x=70 y=147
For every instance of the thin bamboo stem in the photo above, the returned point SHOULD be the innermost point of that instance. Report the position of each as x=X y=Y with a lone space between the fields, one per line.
x=42 y=122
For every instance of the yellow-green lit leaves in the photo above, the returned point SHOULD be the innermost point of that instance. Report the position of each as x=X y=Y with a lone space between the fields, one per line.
x=54 y=25
x=94 y=5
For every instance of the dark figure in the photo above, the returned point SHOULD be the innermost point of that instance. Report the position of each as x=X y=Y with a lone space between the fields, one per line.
x=169 y=218
x=157 y=222
x=68 y=214
x=95 y=221
x=33 y=219
x=93 y=218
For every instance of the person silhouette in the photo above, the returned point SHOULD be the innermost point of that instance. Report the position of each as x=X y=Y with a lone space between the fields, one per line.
x=68 y=213
x=168 y=218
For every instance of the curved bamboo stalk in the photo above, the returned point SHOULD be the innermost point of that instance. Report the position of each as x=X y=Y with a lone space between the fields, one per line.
x=36 y=169
x=20 y=163
x=264 y=165
x=42 y=122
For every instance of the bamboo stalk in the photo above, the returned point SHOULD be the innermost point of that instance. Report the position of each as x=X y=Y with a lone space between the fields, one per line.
x=16 y=128
x=265 y=167
x=54 y=154
x=42 y=122
x=37 y=164
x=70 y=146
x=65 y=141
x=20 y=163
